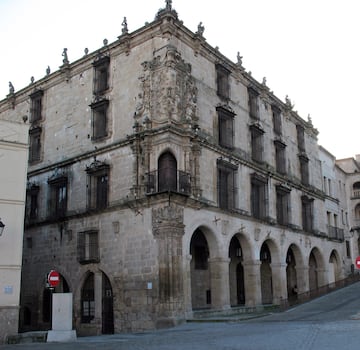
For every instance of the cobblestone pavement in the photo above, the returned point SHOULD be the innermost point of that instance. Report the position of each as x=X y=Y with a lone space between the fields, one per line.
x=330 y=322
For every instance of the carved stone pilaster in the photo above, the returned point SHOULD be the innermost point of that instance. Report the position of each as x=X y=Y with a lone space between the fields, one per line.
x=168 y=229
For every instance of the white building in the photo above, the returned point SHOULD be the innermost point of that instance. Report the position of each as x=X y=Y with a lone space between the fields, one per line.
x=13 y=169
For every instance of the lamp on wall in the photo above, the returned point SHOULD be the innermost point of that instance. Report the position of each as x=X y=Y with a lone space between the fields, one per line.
x=2 y=226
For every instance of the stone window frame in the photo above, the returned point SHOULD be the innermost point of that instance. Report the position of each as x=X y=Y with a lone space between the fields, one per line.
x=227 y=184
x=307 y=208
x=222 y=81
x=280 y=156
x=259 y=197
x=277 y=122
x=58 y=195
x=101 y=75
x=98 y=193
x=100 y=121
x=36 y=106
x=257 y=142
x=35 y=144
x=226 y=127
x=88 y=246
x=253 y=102
x=283 y=205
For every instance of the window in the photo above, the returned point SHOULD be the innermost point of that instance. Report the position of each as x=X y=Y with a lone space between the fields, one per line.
x=253 y=103
x=277 y=120
x=222 y=81
x=280 y=157
x=226 y=184
x=98 y=185
x=167 y=177
x=167 y=166
x=259 y=196
x=36 y=106
x=35 y=144
x=282 y=205
x=58 y=197
x=101 y=75
x=88 y=299
x=32 y=195
x=304 y=169
x=99 y=118
x=348 y=251
x=226 y=127
x=256 y=143
x=300 y=138
x=307 y=213
x=88 y=247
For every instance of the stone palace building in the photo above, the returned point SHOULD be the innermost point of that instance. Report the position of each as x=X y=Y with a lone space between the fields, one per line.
x=164 y=179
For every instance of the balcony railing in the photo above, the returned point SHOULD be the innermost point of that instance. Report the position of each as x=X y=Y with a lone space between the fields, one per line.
x=336 y=233
x=356 y=194
x=155 y=183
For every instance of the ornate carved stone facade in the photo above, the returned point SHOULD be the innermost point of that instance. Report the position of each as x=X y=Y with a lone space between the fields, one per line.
x=167 y=180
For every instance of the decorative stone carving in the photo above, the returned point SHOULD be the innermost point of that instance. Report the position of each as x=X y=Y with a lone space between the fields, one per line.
x=124 y=29
x=168 y=91
x=64 y=54
x=201 y=29
x=171 y=215
x=11 y=88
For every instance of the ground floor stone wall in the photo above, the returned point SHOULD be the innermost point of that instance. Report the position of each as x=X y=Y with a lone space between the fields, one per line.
x=9 y=322
x=155 y=268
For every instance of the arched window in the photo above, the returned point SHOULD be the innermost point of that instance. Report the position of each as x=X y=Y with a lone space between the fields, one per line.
x=88 y=300
x=167 y=168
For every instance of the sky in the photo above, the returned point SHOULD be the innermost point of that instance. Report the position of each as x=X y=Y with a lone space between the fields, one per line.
x=306 y=49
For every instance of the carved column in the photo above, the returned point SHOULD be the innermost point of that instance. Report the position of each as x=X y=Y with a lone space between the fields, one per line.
x=98 y=300
x=195 y=170
x=279 y=283
x=219 y=281
x=302 y=277
x=168 y=229
x=252 y=282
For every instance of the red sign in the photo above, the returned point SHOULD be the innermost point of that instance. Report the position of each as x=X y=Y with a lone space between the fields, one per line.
x=357 y=262
x=53 y=278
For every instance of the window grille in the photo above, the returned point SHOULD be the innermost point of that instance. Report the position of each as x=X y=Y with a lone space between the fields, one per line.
x=99 y=119
x=101 y=75
x=36 y=106
x=35 y=144
x=58 y=198
x=88 y=247
x=226 y=128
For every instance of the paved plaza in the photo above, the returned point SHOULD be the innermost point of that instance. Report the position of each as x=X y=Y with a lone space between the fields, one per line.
x=330 y=322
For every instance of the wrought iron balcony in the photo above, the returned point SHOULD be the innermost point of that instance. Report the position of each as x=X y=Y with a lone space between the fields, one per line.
x=158 y=181
x=336 y=233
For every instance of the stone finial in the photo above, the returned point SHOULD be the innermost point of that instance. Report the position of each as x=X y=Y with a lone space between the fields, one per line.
x=32 y=79
x=124 y=24
x=239 y=59
x=64 y=54
x=201 y=29
x=86 y=51
x=48 y=70
x=11 y=88
x=168 y=5
x=105 y=42
x=264 y=81
x=288 y=102
x=310 y=120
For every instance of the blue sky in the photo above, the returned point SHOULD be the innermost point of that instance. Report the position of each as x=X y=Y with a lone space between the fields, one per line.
x=307 y=49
